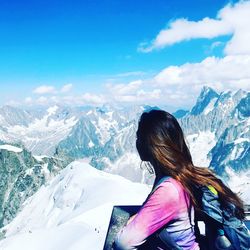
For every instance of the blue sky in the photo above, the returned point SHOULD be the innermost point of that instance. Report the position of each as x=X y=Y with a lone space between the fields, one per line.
x=96 y=47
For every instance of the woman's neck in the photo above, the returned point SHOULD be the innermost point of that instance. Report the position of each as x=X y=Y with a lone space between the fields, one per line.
x=158 y=174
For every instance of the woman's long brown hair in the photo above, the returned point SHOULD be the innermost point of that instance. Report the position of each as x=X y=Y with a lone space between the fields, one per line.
x=160 y=141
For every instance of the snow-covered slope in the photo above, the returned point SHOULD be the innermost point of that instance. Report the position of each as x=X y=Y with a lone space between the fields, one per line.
x=200 y=144
x=72 y=211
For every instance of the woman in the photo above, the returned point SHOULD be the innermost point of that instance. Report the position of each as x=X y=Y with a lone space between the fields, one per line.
x=165 y=220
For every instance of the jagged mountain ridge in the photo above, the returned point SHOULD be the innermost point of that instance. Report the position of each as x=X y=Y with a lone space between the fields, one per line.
x=41 y=132
x=207 y=95
x=227 y=116
x=217 y=130
x=106 y=134
x=109 y=132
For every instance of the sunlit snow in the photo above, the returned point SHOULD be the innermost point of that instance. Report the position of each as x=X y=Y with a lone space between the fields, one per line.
x=72 y=211
x=200 y=144
x=210 y=106
x=240 y=183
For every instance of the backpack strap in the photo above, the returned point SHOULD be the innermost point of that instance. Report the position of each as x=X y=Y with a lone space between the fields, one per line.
x=157 y=184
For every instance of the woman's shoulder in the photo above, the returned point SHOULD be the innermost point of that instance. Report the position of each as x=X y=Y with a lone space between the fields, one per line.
x=171 y=185
x=174 y=192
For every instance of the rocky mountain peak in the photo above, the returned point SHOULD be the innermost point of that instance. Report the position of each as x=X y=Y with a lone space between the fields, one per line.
x=205 y=97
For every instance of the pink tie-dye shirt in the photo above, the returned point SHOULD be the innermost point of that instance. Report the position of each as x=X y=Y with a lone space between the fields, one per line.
x=167 y=205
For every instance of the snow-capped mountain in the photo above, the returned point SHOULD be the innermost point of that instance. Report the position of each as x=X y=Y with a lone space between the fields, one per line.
x=40 y=131
x=103 y=134
x=219 y=136
x=225 y=120
x=96 y=130
x=205 y=101
x=72 y=211
x=216 y=129
x=80 y=131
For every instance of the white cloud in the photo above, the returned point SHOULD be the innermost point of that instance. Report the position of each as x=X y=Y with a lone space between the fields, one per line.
x=141 y=96
x=71 y=100
x=130 y=73
x=148 y=95
x=44 y=89
x=232 y=19
x=215 y=45
x=13 y=103
x=55 y=99
x=42 y=100
x=138 y=91
x=183 y=29
x=81 y=99
x=89 y=98
x=28 y=100
x=66 y=88
x=239 y=17
x=232 y=71
x=124 y=89
x=48 y=89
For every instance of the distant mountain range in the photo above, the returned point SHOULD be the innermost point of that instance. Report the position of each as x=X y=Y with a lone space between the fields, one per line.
x=216 y=128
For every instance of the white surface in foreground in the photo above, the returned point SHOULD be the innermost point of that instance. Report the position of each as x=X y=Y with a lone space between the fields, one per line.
x=72 y=212
x=11 y=148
